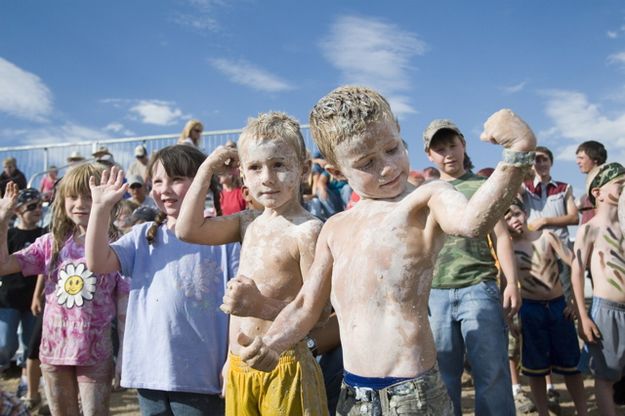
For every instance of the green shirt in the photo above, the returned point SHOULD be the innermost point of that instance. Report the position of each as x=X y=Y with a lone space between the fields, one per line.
x=464 y=261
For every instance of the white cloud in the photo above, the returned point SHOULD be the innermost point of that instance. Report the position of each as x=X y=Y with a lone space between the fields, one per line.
x=200 y=15
x=374 y=53
x=66 y=133
x=577 y=119
x=612 y=34
x=198 y=22
x=23 y=94
x=617 y=58
x=244 y=73
x=511 y=89
x=160 y=113
x=118 y=129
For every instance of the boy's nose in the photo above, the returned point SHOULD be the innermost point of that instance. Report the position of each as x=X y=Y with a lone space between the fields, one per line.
x=267 y=175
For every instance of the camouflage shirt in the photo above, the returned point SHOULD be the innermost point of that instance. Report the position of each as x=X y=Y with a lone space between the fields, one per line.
x=464 y=261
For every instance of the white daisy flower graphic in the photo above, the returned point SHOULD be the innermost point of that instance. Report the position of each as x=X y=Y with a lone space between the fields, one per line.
x=75 y=284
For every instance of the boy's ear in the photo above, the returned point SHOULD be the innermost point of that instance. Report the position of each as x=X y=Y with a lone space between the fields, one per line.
x=334 y=171
x=595 y=192
x=429 y=157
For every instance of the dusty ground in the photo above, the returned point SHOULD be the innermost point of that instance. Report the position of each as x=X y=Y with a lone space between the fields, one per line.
x=125 y=402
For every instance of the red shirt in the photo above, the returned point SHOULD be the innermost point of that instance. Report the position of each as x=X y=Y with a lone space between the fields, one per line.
x=232 y=201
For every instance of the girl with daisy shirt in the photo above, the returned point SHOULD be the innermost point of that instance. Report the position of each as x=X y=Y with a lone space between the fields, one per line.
x=76 y=350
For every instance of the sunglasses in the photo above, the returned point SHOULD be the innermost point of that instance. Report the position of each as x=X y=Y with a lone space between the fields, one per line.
x=197 y=130
x=33 y=206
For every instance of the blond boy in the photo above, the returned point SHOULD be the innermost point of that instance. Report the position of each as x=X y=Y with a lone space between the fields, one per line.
x=277 y=250
x=375 y=261
x=600 y=244
x=549 y=341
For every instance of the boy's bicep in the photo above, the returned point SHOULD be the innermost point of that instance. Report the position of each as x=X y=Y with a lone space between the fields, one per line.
x=317 y=286
x=448 y=207
x=307 y=246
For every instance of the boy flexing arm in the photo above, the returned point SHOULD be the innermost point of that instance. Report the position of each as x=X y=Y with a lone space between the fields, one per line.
x=375 y=261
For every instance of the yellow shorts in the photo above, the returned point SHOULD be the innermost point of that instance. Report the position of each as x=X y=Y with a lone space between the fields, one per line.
x=295 y=387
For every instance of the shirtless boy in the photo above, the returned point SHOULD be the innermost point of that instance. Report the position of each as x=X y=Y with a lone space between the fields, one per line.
x=277 y=251
x=600 y=243
x=549 y=340
x=375 y=261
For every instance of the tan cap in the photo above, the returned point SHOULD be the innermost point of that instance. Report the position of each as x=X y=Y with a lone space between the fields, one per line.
x=434 y=127
x=75 y=157
x=102 y=150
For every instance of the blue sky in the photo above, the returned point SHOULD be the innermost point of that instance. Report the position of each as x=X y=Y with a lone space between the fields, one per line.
x=80 y=70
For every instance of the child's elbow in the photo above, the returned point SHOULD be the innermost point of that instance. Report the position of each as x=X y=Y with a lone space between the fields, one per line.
x=183 y=232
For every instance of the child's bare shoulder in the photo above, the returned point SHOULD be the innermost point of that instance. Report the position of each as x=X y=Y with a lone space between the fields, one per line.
x=246 y=218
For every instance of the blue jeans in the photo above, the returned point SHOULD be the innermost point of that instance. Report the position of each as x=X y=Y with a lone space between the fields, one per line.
x=9 y=321
x=161 y=403
x=471 y=319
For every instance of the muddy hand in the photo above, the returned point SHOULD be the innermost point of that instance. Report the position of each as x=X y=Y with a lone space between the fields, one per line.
x=256 y=353
x=509 y=130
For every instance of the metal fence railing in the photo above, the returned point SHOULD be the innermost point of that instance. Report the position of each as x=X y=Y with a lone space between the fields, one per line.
x=34 y=160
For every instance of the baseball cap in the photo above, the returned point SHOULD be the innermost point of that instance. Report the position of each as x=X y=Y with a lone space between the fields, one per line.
x=435 y=126
x=134 y=180
x=140 y=151
x=27 y=195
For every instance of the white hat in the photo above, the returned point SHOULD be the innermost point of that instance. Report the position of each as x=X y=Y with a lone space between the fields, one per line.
x=140 y=151
x=102 y=150
x=75 y=157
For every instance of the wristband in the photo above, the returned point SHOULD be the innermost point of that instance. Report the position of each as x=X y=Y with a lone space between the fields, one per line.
x=518 y=159
x=311 y=344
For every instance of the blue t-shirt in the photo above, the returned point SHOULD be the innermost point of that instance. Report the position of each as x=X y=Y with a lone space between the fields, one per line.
x=176 y=336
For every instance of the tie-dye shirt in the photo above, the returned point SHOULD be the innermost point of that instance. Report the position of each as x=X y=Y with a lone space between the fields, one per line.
x=80 y=305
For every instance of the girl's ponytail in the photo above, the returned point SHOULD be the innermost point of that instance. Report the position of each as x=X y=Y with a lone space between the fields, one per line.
x=158 y=221
x=216 y=190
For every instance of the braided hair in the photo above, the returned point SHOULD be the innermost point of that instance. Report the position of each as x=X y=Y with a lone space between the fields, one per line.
x=179 y=161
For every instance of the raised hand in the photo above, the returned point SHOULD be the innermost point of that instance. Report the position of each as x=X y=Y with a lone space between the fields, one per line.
x=509 y=130
x=256 y=353
x=111 y=188
x=242 y=297
x=8 y=202
x=221 y=160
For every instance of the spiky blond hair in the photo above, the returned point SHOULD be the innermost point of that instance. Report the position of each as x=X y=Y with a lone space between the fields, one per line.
x=344 y=114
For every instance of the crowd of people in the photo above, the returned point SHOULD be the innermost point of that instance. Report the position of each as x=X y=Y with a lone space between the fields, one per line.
x=263 y=279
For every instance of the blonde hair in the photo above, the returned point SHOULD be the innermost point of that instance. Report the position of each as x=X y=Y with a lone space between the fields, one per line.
x=275 y=125
x=74 y=183
x=344 y=114
x=186 y=132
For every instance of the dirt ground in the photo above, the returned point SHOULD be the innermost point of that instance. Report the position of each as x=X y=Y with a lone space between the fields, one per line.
x=125 y=403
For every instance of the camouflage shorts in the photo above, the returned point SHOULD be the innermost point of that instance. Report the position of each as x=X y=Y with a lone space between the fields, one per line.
x=425 y=395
